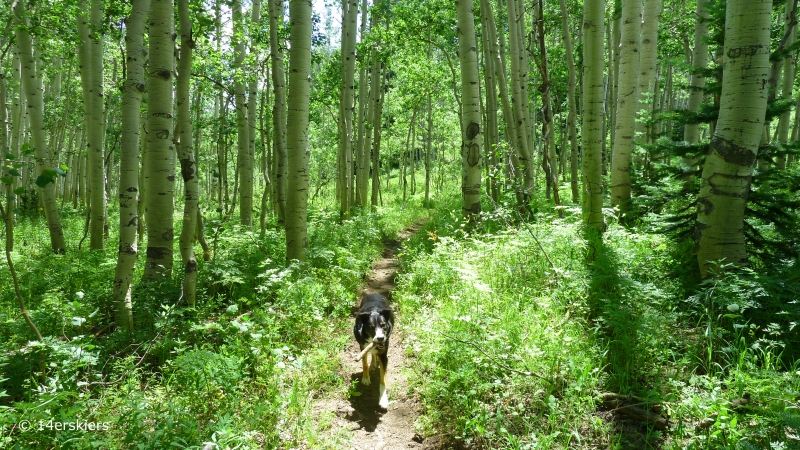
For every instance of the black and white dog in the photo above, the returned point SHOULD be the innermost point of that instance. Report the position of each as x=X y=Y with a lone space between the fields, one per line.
x=374 y=325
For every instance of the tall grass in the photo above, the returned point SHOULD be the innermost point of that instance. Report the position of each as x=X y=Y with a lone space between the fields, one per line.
x=512 y=351
x=240 y=370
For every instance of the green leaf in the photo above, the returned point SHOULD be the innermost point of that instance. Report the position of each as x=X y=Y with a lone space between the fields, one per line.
x=44 y=179
x=26 y=149
x=7 y=180
x=11 y=198
x=9 y=156
x=14 y=173
x=64 y=167
x=19 y=191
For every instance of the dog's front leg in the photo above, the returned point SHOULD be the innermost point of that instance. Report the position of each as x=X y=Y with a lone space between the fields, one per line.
x=365 y=370
x=384 y=396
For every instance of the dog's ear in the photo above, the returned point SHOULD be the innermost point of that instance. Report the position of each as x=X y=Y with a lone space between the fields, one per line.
x=387 y=312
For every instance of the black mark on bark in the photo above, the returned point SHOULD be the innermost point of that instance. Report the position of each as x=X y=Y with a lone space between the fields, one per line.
x=733 y=153
x=747 y=50
x=473 y=129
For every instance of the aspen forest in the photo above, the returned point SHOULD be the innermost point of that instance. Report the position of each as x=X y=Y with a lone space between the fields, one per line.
x=584 y=214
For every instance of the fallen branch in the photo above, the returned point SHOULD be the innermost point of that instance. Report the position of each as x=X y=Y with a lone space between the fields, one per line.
x=620 y=403
x=366 y=349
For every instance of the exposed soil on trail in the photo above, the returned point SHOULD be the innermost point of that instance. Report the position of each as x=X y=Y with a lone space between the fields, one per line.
x=373 y=427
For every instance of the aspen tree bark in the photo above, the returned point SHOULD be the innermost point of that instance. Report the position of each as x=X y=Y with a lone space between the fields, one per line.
x=243 y=163
x=4 y=150
x=627 y=104
x=648 y=52
x=428 y=149
x=219 y=103
x=790 y=19
x=549 y=163
x=593 y=133
x=266 y=152
x=519 y=101
x=616 y=36
x=667 y=106
x=297 y=130
x=377 y=100
x=524 y=64
x=571 y=115
x=492 y=129
x=132 y=89
x=108 y=156
x=515 y=171
x=728 y=167
x=471 y=133
x=278 y=107
x=405 y=155
x=362 y=157
x=252 y=101
x=141 y=225
x=14 y=120
x=346 y=98
x=91 y=59
x=197 y=132
x=413 y=157
x=697 y=82
x=369 y=123
x=32 y=85
x=186 y=153
x=160 y=161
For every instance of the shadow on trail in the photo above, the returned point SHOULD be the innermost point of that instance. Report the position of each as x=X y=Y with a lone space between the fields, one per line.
x=366 y=411
x=616 y=309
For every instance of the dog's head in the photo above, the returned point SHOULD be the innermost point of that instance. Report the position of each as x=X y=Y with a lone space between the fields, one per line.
x=376 y=326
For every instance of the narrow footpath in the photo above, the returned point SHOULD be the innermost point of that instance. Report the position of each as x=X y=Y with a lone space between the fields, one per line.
x=372 y=427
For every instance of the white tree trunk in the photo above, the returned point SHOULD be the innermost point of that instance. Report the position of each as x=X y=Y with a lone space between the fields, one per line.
x=347 y=94
x=186 y=154
x=160 y=160
x=243 y=164
x=593 y=133
x=647 y=68
x=627 y=104
x=362 y=156
x=132 y=89
x=279 y=107
x=572 y=131
x=697 y=82
x=471 y=133
x=252 y=100
x=728 y=167
x=32 y=85
x=790 y=19
x=376 y=97
x=492 y=133
x=518 y=94
x=91 y=59
x=297 y=130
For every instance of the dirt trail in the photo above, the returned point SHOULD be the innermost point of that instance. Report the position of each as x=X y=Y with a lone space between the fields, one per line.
x=372 y=427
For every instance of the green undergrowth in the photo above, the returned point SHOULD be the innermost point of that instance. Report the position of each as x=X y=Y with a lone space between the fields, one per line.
x=238 y=371
x=513 y=337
